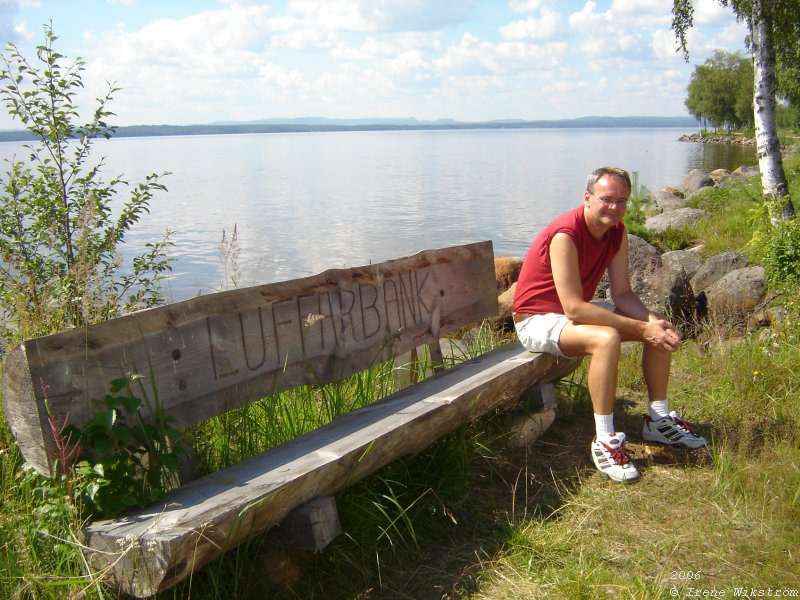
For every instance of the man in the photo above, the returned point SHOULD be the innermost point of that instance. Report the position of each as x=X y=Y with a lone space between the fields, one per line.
x=553 y=313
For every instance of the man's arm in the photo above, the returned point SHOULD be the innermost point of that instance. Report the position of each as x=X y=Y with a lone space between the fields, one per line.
x=634 y=321
x=623 y=297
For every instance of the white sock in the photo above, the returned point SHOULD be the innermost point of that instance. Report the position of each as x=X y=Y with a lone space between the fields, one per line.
x=604 y=424
x=658 y=409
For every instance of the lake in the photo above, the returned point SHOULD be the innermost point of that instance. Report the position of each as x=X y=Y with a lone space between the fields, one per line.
x=305 y=202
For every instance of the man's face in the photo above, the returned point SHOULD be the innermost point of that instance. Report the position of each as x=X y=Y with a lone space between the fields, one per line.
x=605 y=206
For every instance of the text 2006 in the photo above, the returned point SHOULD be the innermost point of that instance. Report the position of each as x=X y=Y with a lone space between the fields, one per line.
x=684 y=575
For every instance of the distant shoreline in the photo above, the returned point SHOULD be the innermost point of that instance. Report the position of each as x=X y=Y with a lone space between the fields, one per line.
x=333 y=125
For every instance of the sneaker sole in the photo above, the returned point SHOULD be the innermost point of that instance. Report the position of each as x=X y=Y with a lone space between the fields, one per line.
x=609 y=477
x=626 y=481
x=678 y=443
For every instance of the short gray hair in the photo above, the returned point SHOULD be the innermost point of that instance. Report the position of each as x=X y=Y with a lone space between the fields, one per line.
x=613 y=172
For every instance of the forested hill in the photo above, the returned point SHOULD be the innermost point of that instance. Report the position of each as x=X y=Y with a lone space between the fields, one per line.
x=322 y=124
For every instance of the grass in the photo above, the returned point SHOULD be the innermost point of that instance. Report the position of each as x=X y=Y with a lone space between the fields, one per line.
x=727 y=226
x=727 y=516
x=472 y=517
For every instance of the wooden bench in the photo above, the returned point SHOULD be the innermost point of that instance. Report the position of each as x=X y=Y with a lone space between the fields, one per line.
x=214 y=353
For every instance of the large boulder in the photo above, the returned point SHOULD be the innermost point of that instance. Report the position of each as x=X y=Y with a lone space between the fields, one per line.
x=505 y=302
x=662 y=288
x=715 y=268
x=667 y=199
x=718 y=175
x=667 y=290
x=695 y=180
x=674 y=219
x=737 y=176
x=506 y=271
x=737 y=292
x=682 y=259
x=643 y=258
x=662 y=285
x=747 y=171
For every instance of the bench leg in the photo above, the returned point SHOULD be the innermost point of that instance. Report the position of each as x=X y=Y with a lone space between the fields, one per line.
x=311 y=526
x=534 y=413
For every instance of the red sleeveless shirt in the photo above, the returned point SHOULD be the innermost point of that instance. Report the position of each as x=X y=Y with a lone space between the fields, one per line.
x=536 y=291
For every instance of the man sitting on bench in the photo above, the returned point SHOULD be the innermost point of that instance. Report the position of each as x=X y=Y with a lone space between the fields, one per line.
x=553 y=313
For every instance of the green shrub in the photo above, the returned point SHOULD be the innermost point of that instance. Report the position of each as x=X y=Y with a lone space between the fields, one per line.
x=60 y=261
x=776 y=246
x=123 y=461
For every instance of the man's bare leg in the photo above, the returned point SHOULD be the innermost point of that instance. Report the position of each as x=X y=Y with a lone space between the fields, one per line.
x=603 y=344
x=655 y=367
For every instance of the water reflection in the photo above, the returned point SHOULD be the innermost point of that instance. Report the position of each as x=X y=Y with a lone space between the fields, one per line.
x=303 y=203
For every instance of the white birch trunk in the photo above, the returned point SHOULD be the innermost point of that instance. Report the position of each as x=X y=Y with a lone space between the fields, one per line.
x=773 y=178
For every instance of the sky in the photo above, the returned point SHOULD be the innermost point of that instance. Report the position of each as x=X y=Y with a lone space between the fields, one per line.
x=183 y=62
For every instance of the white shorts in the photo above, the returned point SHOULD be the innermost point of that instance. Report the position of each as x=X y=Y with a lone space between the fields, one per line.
x=540 y=333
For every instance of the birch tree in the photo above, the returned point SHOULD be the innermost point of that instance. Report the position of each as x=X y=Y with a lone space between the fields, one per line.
x=771 y=22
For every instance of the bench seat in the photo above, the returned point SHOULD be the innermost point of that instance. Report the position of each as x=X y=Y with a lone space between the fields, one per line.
x=150 y=550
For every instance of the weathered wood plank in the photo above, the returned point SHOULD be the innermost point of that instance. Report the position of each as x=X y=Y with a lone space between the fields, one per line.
x=151 y=550
x=204 y=356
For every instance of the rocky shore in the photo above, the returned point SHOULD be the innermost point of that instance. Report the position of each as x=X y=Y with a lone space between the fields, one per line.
x=684 y=284
x=717 y=139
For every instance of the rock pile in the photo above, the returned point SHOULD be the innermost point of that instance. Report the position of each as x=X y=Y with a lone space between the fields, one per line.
x=680 y=283
x=717 y=139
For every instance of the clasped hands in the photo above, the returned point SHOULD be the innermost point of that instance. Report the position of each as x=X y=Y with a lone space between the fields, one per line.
x=661 y=334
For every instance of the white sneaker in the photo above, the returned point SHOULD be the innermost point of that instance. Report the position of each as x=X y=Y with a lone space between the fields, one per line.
x=673 y=431
x=611 y=459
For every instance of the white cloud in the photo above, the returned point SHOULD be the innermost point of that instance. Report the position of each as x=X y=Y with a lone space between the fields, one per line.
x=664 y=45
x=604 y=35
x=381 y=15
x=547 y=27
x=730 y=37
x=526 y=6
x=586 y=18
x=711 y=12
x=518 y=56
x=636 y=7
x=469 y=55
x=11 y=28
x=419 y=15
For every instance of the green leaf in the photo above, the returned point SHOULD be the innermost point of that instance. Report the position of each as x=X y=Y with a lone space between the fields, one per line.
x=118 y=384
x=103 y=446
x=130 y=404
x=105 y=419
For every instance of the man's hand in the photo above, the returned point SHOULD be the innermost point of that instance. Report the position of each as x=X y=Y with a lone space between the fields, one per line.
x=661 y=334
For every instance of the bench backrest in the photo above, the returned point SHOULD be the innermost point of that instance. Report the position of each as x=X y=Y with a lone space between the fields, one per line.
x=202 y=357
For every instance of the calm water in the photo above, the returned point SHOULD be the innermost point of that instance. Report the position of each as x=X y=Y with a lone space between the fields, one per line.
x=306 y=202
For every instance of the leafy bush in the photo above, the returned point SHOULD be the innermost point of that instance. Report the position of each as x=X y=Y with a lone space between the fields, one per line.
x=60 y=264
x=776 y=246
x=123 y=461
x=114 y=462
